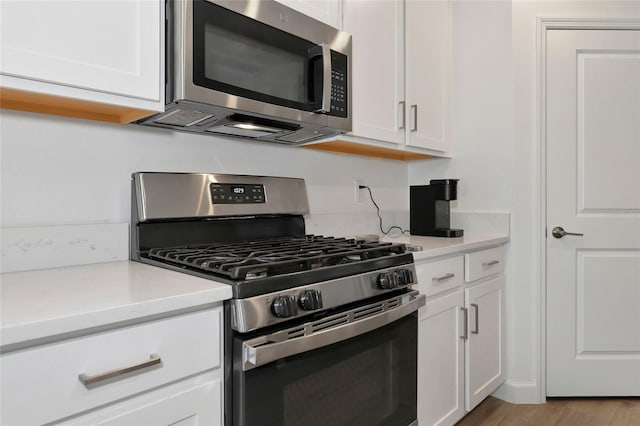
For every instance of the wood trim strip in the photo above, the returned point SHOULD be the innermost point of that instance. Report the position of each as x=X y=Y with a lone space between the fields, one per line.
x=57 y=105
x=346 y=147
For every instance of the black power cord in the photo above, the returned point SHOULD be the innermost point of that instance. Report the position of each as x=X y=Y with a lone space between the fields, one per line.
x=403 y=231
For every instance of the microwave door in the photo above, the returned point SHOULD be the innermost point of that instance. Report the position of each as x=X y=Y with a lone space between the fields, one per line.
x=320 y=79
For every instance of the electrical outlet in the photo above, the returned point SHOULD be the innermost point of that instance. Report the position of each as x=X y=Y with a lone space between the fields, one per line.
x=359 y=192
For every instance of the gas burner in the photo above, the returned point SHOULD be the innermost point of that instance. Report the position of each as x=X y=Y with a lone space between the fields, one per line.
x=252 y=260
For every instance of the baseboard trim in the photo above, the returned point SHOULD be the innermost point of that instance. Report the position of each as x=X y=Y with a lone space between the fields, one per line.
x=518 y=393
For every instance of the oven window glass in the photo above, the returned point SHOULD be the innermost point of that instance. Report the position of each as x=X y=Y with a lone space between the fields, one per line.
x=240 y=56
x=368 y=380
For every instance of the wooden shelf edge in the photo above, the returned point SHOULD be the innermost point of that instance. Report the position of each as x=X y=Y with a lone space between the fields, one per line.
x=347 y=147
x=22 y=100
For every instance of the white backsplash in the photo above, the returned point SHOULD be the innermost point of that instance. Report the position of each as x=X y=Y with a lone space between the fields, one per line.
x=352 y=224
x=37 y=247
x=482 y=223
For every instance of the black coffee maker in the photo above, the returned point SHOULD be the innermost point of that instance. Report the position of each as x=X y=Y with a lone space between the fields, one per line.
x=429 y=212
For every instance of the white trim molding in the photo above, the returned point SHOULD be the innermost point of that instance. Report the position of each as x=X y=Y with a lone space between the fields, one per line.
x=517 y=391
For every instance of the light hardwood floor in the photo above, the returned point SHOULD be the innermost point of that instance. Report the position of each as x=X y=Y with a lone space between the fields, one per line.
x=556 y=412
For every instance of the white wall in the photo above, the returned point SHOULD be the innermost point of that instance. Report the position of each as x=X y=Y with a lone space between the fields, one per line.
x=497 y=152
x=59 y=170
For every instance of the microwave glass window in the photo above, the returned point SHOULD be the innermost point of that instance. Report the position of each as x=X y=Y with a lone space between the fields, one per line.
x=254 y=65
x=237 y=55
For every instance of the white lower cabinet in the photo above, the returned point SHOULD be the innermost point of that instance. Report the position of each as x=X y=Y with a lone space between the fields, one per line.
x=197 y=404
x=461 y=348
x=484 y=348
x=441 y=361
x=161 y=372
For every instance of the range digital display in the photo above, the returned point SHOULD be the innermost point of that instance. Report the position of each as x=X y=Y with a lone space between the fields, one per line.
x=232 y=193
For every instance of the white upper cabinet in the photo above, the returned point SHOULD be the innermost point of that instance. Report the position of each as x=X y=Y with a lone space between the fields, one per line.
x=401 y=74
x=378 y=97
x=428 y=74
x=99 y=51
x=327 y=11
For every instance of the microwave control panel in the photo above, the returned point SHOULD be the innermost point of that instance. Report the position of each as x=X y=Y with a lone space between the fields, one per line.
x=338 y=85
x=231 y=193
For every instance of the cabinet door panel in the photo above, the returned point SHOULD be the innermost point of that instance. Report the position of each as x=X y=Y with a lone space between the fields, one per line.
x=327 y=11
x=196 y=405
x=485 y=350
x=105 y=46
x=441 y=361
x=428 y=47
x=377 y=28
x=187 y=344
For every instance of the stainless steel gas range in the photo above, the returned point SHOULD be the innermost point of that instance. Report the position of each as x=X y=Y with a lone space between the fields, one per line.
x=320 y=330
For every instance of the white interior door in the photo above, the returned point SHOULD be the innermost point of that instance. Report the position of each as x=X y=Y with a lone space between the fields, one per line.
x=593 y=188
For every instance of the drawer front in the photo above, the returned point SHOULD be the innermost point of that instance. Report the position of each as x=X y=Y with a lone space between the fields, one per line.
x=439 y=276
x=48 y=377
x=483 y=263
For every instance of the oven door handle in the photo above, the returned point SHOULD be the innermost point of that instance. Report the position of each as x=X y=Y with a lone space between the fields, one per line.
x=263 y=350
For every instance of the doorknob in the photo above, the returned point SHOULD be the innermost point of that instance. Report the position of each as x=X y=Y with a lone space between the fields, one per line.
x=558 y=232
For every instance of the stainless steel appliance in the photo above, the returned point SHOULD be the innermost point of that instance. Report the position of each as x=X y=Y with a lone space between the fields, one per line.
x=320 y=330
x=254 y=69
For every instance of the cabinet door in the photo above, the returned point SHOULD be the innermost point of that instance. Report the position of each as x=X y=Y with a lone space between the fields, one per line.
x=198 y=405
x=441 y=361
x=103 y=46
x=428 y=65
x=485 y=350
x=377 y=28
x=327 y=11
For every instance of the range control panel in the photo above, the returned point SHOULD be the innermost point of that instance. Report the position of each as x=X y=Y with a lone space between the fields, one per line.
x=231 y=193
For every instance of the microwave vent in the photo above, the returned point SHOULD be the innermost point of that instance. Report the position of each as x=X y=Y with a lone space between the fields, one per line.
x=300 y=136
x=182 y=118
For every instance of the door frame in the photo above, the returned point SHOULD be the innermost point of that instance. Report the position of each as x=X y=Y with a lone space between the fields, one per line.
x=544 y=24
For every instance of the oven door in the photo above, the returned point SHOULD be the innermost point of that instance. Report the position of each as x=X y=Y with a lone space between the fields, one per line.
x=353 y=368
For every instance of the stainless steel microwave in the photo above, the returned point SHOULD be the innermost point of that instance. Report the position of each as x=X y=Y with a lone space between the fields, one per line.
x=254 y=69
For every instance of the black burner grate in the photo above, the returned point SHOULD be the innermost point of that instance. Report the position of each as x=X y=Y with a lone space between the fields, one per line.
x=271 y=257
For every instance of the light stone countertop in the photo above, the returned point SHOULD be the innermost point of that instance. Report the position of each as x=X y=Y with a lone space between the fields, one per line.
x=42 y=303
x=437 y=246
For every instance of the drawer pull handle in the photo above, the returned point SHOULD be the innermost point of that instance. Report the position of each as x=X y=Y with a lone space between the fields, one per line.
x=120 y=373
x=493 y=262
x=444 y=277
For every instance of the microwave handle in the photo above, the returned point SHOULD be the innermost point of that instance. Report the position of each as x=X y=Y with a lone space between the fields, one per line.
x=325 y=107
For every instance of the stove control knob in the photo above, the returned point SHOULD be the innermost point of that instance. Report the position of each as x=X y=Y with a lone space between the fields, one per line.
x=404 y=276
x=310 y=300
x=388 y=280
x=284 y=307
x=408 y=275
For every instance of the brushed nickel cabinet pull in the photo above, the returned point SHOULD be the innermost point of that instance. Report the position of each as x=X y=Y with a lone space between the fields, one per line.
x=403 y=105
x=415 y=118
x=465 y=323
x=119 y=373
x=477 y=309
x=444 y=277
x=493 y=262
